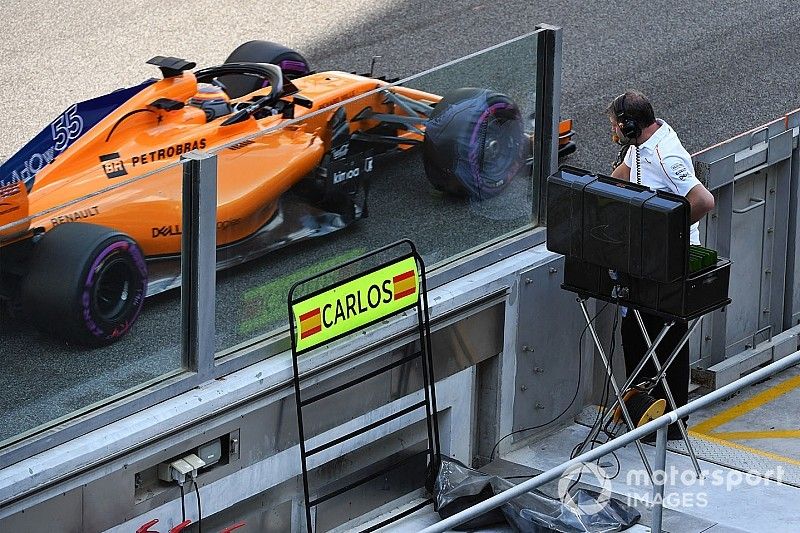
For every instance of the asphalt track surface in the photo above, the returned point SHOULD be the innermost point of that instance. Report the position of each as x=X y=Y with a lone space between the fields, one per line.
x=713 y=69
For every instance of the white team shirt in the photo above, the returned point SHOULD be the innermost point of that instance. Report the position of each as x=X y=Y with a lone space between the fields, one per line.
x=666 y=166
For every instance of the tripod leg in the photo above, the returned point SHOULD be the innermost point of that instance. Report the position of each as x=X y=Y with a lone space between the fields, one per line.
x=661 y=376
x=617 y=392
x=651 y=350
x=677 y=350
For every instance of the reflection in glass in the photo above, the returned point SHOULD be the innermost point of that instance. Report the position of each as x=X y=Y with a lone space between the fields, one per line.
x=508 y=71
x=312 y=171
x=389 y=161
x=76 y=327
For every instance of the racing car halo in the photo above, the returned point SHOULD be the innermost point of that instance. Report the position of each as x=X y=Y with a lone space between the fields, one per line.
x=81 y=269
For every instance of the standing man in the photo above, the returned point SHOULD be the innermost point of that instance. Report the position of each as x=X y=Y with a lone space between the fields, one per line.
x=654 y=157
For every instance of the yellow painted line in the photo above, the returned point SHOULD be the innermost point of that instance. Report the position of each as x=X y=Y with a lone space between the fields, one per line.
x=746 y=406
x=770 y=434
x=742 y=447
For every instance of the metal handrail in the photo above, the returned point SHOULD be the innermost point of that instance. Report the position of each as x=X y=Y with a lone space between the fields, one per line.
x=659 y=424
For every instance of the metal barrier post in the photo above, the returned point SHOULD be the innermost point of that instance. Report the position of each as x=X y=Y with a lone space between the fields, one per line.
x=659 y=478
x=198 y=262
x=548 y=105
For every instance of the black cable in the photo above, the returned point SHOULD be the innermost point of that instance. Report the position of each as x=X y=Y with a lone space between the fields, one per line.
x=574 y=396
x=604 y=399
x=597 y=461
x=183 y=504
x=199 y=511
x=610 y=432
x=620 y=156
x=126 y=115
x=606 y=391
x=600 y=442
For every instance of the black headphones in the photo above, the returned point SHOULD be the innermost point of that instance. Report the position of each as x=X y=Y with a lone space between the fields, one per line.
x=627 y=126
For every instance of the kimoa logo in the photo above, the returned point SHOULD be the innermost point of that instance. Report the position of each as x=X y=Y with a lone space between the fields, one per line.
x=339 y=177
x=344 y=175
x=593 y=475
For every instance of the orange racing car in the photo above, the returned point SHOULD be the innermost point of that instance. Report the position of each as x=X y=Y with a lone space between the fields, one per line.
x=78 y=253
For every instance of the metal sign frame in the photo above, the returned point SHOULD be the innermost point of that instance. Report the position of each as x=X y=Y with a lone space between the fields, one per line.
x=425 y=355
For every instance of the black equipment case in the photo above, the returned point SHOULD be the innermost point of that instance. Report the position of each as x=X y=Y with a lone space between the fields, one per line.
x=626 y=243
x=684 y=299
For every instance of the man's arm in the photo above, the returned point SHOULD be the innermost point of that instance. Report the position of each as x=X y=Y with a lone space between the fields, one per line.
x=679 y=170
x=622 y=172
x=701 y=201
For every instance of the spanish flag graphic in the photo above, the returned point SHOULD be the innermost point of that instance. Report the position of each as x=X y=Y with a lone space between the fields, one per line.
x=310 y=323
x=404 y=284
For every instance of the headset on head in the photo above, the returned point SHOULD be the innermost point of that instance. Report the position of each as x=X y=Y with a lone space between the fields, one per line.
x=627 y=126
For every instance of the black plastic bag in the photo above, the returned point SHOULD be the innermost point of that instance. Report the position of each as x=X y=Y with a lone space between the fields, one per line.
x=458 y=487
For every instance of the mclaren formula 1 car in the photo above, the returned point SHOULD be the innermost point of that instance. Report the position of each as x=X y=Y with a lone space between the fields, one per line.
x=78 y=253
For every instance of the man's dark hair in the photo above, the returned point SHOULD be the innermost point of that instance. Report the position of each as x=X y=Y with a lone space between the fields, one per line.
x=637 y=108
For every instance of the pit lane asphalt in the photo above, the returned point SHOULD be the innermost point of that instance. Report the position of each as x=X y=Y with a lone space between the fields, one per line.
x=713 y=69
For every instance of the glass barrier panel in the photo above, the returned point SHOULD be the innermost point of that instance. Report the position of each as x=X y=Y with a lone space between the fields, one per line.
x=337 y=166
x=85 y=260
x=343 y=164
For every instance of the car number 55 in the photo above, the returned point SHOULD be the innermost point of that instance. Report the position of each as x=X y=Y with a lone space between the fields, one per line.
x=66 y=128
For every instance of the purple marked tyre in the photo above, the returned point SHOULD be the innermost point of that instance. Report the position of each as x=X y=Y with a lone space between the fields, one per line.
x=474 y=143
x=292 y=64
x=114 y=290
x=85 y=284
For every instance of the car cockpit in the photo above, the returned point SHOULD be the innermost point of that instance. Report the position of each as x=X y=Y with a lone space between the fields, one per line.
x=218 y=88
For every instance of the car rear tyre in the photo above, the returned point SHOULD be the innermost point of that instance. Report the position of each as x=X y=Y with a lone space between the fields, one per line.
x=292 y=64
x=86 y=283
x=474 y=143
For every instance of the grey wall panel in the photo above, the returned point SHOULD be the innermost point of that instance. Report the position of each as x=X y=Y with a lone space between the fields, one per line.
x=791 y=315
x=466 y=338
x=61 y=514
x=487 y=416
x=403 y=445
x=455 y=347
x=773 y=256
x=718 y=237
x=110 y=499
x=755 y=187
x=779 y=193
x=550 y=324
x=262 y=433
x=268 y=512
x=469 y=341
x=747 y=244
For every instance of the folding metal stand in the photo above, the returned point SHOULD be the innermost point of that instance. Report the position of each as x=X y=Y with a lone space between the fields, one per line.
x=661 y=377
x=650 y=355
x=310 y=399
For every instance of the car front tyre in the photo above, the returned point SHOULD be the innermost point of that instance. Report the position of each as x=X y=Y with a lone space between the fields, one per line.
x=474 y=143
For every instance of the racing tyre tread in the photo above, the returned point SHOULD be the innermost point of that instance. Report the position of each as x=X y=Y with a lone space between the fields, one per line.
x=292 y=64
x=86 y=284
x=465 y=126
